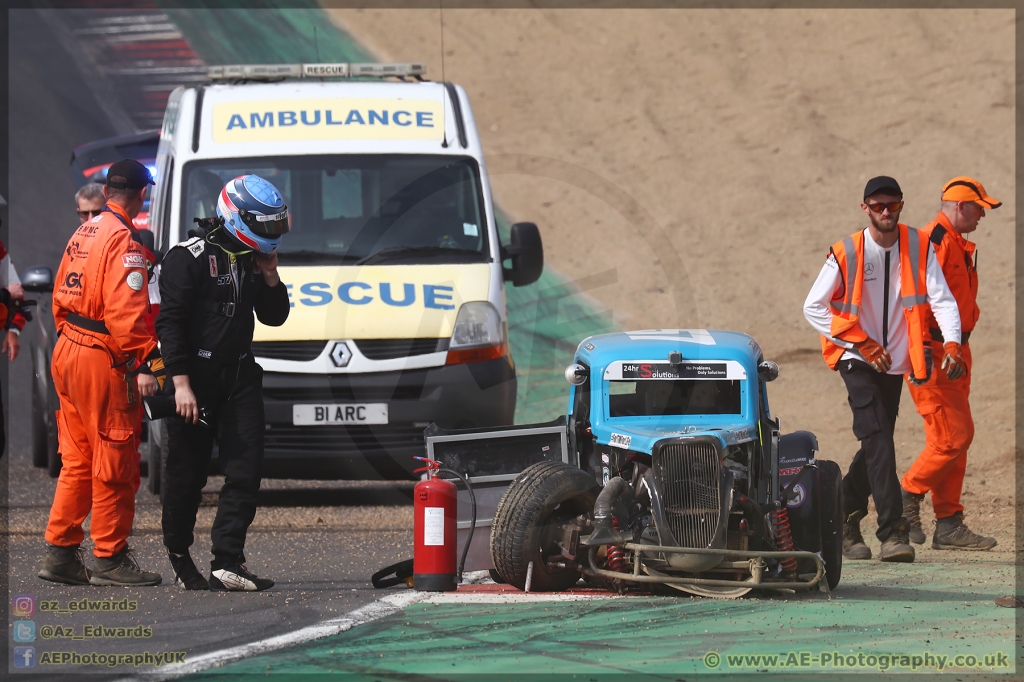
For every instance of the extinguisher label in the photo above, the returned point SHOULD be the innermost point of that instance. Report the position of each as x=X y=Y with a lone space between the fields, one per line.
x=433 y=526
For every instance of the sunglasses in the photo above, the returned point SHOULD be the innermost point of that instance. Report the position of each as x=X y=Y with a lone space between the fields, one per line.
x=85 y=215
x=893 y=207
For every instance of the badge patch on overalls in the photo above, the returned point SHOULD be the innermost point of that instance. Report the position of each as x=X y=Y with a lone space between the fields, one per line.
x=213 y=266
x=135 y=281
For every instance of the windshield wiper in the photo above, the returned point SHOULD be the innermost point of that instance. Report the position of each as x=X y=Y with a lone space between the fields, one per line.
x=404 y=251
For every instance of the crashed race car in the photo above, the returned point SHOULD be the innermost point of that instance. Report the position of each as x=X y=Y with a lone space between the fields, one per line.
x=674 y=472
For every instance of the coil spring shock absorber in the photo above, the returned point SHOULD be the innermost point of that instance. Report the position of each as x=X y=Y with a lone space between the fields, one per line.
x=617 y=555
x=784 y=537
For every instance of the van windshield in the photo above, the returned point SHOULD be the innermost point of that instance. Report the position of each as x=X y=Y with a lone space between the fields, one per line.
x=354 y=209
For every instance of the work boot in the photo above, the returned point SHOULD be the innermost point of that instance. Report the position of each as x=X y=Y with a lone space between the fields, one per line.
x=853 y=542
x=237 y=578
x=912 y=513
x=897 y=546
x=186 y=575
x=952 y=533
x=122 y=569
x=64 y=565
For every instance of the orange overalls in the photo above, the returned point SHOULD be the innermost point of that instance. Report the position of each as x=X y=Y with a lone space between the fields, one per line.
x=948 y=426
x=99 y=304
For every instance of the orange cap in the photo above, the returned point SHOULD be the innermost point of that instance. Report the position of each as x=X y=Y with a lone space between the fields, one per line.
x=963 y=188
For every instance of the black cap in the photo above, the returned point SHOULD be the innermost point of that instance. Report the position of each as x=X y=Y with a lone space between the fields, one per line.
x=882 y=182
x=135 y=174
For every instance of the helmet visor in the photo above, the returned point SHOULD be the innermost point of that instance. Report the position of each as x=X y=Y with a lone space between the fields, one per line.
x=267 y=225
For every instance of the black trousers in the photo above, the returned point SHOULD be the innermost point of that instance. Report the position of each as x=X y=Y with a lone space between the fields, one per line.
x=235 y=400
x=875 y=401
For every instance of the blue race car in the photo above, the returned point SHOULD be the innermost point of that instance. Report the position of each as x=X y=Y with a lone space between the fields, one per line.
x=672 y=471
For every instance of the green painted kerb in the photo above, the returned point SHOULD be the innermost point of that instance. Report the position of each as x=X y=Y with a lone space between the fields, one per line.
x=879 y=614
x=546 y=319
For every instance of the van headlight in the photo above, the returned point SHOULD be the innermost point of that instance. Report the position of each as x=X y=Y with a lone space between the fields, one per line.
x=479 y=335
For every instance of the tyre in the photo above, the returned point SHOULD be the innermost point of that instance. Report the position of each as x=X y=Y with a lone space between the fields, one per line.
x=53 y=460
x=495 y=576
x=157 y=452
x=527 y=524
x=831 y=511
x=40 y=445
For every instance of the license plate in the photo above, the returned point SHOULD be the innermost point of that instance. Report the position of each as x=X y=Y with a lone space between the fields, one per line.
x=314 y=415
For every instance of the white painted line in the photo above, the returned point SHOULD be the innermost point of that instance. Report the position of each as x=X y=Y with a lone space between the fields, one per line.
x=378 y=609
x=510 y=598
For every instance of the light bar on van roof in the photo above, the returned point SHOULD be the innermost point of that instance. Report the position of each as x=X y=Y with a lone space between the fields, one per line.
x=341 y=70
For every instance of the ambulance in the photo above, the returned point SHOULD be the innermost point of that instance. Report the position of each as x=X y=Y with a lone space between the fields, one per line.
x=393 y=264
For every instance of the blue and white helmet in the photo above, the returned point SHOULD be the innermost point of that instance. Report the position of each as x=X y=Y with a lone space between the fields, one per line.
x=253 y=212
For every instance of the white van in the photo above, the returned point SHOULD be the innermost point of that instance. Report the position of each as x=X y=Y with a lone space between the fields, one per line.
x=393 y=263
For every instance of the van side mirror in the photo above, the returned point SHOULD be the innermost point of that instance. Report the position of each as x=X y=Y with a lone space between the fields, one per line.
x=38 y=279
x=527 y=254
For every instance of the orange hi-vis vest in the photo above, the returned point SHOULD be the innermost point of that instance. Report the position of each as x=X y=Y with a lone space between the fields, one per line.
x=845 y=304
x=958 y=259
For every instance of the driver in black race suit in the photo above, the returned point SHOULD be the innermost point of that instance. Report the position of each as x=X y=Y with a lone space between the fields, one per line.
x=210 y=286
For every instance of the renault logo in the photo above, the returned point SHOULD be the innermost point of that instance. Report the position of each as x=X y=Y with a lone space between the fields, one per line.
x=340 y=354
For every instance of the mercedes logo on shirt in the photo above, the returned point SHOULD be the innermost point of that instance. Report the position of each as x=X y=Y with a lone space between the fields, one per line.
x=869 y=268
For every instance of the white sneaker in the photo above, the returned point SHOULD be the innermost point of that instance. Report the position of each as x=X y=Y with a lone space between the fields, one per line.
x=237 y=579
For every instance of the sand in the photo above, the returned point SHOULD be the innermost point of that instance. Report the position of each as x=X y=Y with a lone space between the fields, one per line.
x=697 y=164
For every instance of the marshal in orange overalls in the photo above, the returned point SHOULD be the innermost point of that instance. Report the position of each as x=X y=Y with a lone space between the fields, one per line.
x=100 y=301
x=941 y=402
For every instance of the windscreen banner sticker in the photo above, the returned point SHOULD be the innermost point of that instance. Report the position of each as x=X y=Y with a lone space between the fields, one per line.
x=376 y=301
x=645 y=370
x=327 y=118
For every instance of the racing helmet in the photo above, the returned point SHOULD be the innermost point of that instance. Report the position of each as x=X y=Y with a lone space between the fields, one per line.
x=253 y=212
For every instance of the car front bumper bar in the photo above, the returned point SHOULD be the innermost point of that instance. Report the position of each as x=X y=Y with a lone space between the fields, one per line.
x=753 y=563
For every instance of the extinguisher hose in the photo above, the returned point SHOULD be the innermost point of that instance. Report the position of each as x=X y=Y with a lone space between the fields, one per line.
x=472 y=523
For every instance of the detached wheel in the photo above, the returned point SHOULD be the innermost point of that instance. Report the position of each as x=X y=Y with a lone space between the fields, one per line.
x=53 y=462
x=831 y=520
x=157 y=451
x=40 y=452
x=44 y=404
x=528 y=524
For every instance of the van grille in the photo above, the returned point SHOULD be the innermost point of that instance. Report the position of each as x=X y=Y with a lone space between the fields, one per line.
x=342 y=392
x=301 y=351
x=389 y=349
x=344 y=440
x=688 y=475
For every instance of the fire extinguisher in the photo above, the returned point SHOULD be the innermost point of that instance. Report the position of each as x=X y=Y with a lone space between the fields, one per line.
x=435 y=530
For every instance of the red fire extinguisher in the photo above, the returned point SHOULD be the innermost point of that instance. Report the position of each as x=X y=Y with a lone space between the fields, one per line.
x=434 y=532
